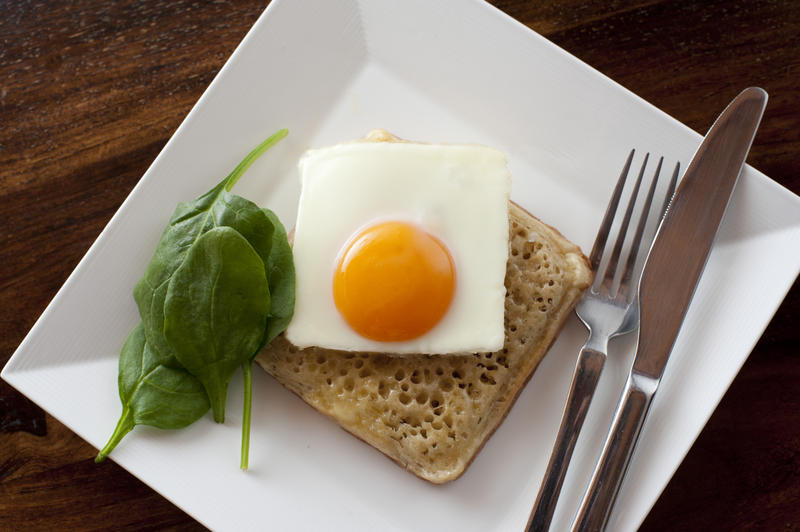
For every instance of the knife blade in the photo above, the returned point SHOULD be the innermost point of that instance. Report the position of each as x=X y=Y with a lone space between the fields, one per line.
x=684 y=239
x=673 y=268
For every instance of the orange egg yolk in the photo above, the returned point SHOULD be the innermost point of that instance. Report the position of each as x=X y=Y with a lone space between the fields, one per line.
x=394 y=282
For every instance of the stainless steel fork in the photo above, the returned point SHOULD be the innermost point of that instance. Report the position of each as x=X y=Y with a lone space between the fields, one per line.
x=608 y=309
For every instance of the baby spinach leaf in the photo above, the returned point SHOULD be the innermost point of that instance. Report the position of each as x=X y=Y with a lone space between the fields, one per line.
x=248 y=219
x=281 y=280
x=216 y=309
x=280 y=275
x=206 y=307
x=190 y=220
x=153 y=394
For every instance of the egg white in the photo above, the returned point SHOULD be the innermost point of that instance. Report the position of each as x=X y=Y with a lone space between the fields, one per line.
x=457 y=193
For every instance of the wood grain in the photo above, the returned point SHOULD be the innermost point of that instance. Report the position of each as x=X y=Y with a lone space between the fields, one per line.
x=91 y=91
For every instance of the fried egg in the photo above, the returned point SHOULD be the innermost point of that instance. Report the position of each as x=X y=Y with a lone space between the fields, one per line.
x=401 y=247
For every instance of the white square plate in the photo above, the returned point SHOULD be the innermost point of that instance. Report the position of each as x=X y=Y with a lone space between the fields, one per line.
x=439 y=71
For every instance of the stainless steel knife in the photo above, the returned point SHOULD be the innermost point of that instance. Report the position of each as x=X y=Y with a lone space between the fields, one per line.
x=673 y=268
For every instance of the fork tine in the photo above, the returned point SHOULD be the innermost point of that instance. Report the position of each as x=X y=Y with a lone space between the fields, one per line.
x=605 y=226
x=633 y=253
x=613 y=261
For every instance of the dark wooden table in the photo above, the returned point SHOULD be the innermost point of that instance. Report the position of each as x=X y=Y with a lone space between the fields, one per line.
x=91 y=91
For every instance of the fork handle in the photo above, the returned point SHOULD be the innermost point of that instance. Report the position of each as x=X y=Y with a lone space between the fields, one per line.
x=601 y=494
x=584 y=381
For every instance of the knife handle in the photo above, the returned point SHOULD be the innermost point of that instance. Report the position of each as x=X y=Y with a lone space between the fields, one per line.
x=599 y=498
x=584 y=382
